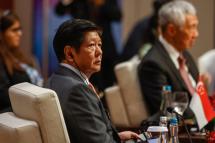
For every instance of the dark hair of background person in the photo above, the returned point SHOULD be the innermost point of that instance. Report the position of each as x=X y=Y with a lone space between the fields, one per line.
x=77 y=8
x=72 y=33
x=10 y=56
x=157 y=5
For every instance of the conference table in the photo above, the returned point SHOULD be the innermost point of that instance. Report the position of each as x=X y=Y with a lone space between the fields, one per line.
x=197 y=138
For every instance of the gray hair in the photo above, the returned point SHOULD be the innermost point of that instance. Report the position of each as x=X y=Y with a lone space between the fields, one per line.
x=175 y=12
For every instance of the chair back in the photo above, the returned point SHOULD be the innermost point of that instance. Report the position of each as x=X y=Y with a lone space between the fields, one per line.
x=41 y=105
x=125 y=100
x=18 y=130
x=128 y=82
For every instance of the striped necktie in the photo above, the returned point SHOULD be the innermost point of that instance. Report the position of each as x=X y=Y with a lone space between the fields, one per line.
x=94 y=90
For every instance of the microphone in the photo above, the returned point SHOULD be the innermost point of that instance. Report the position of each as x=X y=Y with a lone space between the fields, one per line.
x=172 y=110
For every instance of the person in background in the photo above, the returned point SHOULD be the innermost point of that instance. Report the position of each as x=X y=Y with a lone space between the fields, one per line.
x=143 y=35
x=15 y=66
x=77 y=45
x=169 y=62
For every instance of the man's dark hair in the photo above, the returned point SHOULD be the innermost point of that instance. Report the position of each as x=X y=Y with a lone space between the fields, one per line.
x=158 y=4
x=71 y=32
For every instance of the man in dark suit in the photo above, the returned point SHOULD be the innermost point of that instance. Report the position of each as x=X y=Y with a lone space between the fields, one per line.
x=178 y=32
x=104 y=13
x=77 y=45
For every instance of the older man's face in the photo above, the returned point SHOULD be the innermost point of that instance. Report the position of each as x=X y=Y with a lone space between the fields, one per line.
x=186 y=35
x=88 y=58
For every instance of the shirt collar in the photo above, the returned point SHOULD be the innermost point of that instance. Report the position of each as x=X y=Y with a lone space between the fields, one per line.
x=78 y=72
x=173 y=53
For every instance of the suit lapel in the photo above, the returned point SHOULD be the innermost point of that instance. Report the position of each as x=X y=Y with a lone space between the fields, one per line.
x=170 y=64
x=71 y=74
x=68 y=73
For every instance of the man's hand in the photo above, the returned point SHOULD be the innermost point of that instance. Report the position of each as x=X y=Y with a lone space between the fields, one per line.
x=127 y=135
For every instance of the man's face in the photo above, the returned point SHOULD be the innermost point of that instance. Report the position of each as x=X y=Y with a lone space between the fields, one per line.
x=89 y=56
x=186 y=35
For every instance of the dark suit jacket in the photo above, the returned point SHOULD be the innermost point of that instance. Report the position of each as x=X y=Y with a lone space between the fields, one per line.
x=142 y=33
x=84 y=114
x=157 y=69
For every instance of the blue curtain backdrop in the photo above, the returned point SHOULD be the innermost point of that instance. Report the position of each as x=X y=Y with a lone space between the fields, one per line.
x=38 y=38
x=37 y=30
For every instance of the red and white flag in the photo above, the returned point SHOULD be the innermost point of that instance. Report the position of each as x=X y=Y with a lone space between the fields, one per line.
x=201 y=106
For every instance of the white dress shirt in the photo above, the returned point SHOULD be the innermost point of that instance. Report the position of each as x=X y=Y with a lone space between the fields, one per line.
x=174 y=54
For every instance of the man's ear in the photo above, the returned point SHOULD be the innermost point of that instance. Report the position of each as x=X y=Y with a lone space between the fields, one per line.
x=68 y=52
x=171 y=29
